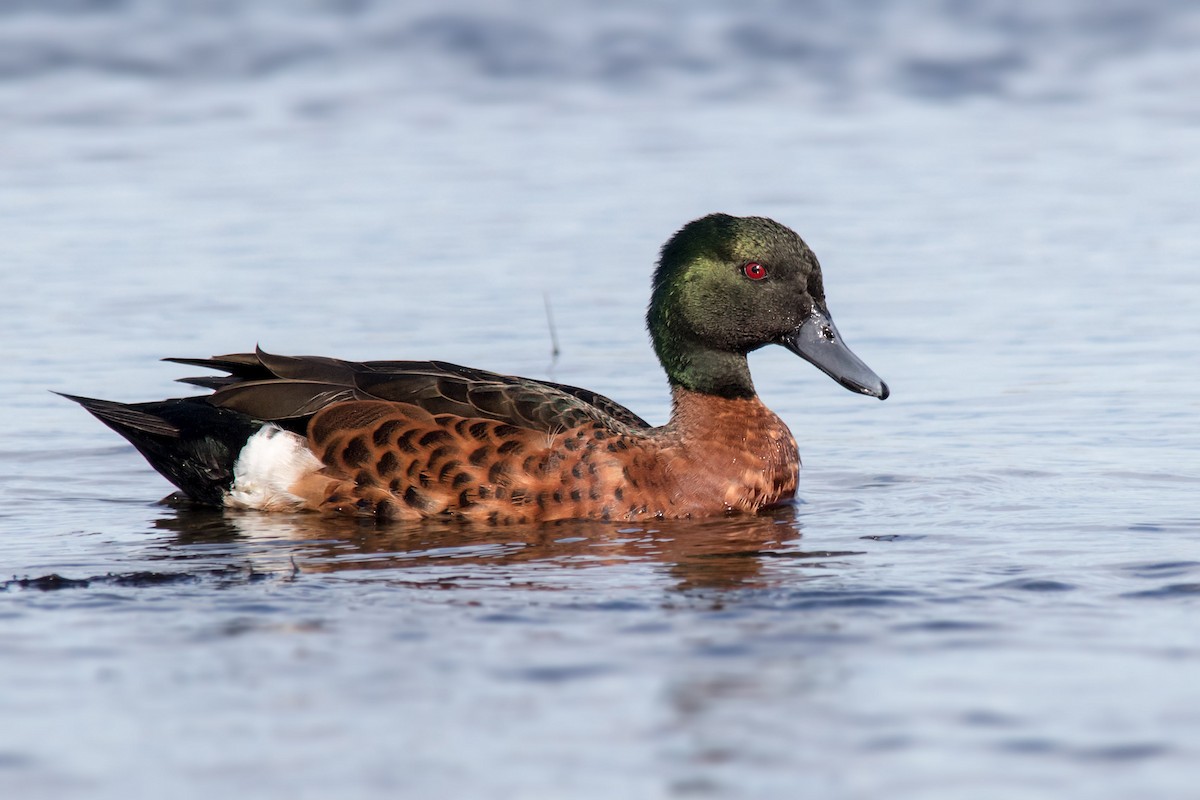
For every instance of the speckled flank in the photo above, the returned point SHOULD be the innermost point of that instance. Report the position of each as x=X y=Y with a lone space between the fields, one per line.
x=395 y=461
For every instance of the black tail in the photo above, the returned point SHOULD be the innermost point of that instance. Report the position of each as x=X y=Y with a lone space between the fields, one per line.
x=192 y=443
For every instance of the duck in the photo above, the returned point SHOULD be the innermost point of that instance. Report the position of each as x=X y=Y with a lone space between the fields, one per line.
x=412 y=440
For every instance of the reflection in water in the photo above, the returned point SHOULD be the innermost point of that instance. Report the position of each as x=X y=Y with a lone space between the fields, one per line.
x=714 y=553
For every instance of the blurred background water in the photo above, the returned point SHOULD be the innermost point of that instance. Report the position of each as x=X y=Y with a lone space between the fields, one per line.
x=989 y=584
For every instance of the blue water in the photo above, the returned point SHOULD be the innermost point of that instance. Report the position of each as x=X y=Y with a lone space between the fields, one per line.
x=989 y=584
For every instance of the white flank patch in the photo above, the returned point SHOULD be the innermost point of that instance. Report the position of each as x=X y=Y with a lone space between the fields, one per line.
x=270 y=464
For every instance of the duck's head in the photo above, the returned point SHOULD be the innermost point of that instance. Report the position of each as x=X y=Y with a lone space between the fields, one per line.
x=728 y=285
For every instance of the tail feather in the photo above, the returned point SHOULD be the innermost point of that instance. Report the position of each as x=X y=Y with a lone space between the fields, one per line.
x=191 y=442
x=122 y=417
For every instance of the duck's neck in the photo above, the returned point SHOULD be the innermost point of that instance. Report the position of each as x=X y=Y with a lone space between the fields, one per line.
x=704 y=371
x=704 y=364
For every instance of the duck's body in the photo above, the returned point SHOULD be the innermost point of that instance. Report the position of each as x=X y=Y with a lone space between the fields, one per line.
x=407 y=440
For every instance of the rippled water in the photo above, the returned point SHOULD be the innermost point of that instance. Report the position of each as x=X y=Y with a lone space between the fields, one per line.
x=989 y=584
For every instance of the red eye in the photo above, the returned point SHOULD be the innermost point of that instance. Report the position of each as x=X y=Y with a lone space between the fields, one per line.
x=755 y=271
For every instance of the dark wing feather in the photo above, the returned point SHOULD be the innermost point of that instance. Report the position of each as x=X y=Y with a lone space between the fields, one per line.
x=210 y=381
x=319 y=369
x=495 y=396
x=605 y=405
x=278 y=400
x=292 y=388
x=239 y=365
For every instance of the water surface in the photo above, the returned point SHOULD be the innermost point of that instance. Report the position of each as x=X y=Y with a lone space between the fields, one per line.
x=989 y=583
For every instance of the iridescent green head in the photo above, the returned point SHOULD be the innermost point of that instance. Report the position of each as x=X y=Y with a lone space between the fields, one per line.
x=728 y=285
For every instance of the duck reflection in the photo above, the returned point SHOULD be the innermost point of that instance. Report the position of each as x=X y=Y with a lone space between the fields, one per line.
x=711 y=553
